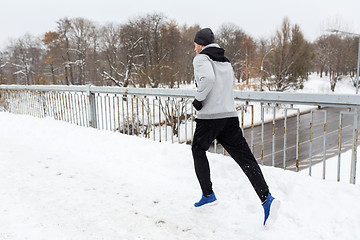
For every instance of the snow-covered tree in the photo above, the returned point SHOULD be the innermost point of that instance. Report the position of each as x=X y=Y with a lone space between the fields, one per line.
x=26 y=59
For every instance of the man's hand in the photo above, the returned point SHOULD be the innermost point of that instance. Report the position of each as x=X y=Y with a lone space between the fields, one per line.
x=197 y=105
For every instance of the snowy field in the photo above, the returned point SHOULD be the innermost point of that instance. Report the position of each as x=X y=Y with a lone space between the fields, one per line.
x=315 y=84
x=61 y=181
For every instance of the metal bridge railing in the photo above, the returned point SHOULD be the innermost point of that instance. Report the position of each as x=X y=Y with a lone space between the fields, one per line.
x=275 y=137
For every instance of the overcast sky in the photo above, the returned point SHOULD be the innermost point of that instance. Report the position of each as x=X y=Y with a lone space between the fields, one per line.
x=258 y=18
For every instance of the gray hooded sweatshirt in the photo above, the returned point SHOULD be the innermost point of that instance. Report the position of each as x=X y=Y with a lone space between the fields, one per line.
x=214 y=77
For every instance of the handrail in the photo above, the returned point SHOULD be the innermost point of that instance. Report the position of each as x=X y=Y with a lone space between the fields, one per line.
x=339 y=100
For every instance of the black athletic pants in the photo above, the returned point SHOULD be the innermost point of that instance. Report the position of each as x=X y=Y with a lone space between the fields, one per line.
x=228 y=133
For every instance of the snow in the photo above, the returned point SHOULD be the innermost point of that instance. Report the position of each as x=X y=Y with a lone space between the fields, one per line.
x=315 y=84
x=61 y=181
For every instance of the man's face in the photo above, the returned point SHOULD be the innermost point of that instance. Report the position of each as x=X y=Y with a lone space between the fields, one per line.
x=198 y=47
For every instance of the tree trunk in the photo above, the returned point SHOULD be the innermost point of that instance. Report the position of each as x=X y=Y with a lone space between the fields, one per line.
x=52 y=74
x=69 y=61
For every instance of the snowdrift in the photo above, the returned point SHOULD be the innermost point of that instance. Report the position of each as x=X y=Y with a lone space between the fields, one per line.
x=60 y=181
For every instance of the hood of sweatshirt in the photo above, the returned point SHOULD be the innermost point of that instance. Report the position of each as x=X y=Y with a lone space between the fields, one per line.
x=215 y=53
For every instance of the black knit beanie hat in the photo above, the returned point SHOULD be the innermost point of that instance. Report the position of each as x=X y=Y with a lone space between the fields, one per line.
x=204 y=37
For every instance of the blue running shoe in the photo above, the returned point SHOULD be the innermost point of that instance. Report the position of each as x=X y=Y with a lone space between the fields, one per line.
x=271 y=208
x=206 y=200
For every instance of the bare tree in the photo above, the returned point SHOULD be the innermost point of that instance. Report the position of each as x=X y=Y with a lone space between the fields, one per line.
x=121 y=50
x=53 y=59
x=109 y=45
x=26 y=59
x=64 y=26
x=93 y=66
x=290 y=62
x=81 y=34
x=240 y=49
x=4 y=61
x=186 y=53
x=336 y=56
x=130 y=47
x=159 y=44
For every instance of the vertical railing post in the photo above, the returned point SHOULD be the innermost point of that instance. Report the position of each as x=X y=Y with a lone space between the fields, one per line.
x=159 y=119
x=192 y=122
x=273 y=134
x=340 y=140
x=339 y=145
x=186 y=122
x=297 y=137
x=91 y=107
x=324 y=140
x=324 y=144
x=252 y=128
x=354 y=149
x=262 y=134
x=310 y=142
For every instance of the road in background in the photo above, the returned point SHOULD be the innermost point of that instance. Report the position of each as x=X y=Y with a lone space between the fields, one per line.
x=332 y=133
